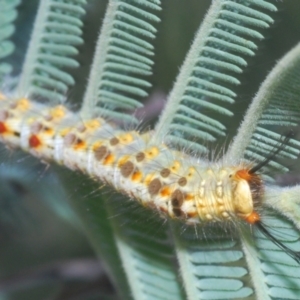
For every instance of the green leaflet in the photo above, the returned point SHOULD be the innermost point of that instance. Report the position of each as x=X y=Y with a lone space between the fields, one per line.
x=205 y=84
x=281 y=276
x=95 y=219
x=56 y=34
x=122 y=60
x=8 y=14
x=146 y=251
x=273 y=272
x=211 y=263
x=275 y=109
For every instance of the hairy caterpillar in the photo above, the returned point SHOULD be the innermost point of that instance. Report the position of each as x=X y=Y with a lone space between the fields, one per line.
x=158 y=177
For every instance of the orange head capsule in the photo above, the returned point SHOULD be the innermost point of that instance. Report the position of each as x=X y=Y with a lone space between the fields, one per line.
x=251 y=178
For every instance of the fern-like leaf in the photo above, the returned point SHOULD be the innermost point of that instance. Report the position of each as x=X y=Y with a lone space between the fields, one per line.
x=280 y=276
x=146 y=251
x=272 y=113
x=8 y=14
x=94 y=216
x=122 y=58
x=212 y=263
x=57 y=32
x=205 y=85
x=216 y=263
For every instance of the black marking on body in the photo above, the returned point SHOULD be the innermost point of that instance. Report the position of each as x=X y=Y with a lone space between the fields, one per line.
x=177 y=211
x=177 y=198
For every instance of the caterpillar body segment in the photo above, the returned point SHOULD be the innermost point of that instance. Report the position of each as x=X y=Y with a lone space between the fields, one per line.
x=171 y=182
x=168 y=181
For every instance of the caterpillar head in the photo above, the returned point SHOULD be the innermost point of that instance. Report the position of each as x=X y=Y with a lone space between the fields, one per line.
x=247 y=194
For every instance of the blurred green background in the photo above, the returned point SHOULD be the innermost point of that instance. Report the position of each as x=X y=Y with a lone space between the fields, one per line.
x=39 y=231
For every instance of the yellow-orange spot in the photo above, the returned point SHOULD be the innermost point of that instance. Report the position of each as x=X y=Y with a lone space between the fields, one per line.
x=34 y=141
x=243 y=174
x=148 y=178
x=109 y=159
x=191 y=171
x=23 y=104
x=80 y=145
x=165 y=192
x=189 y=196
x=152 y=152
x=2 y=97
x=253 y=218
x=176 y=165
x=191 y=215
x=49 y=131
x=65 y=131
x=92 y=124
x=137 y=176
x=3 y=128
x=58 y=112
x=96 y=145
x=126 y=138
x=123 y=160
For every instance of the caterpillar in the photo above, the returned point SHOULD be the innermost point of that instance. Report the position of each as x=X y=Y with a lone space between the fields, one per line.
x=172 y=183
